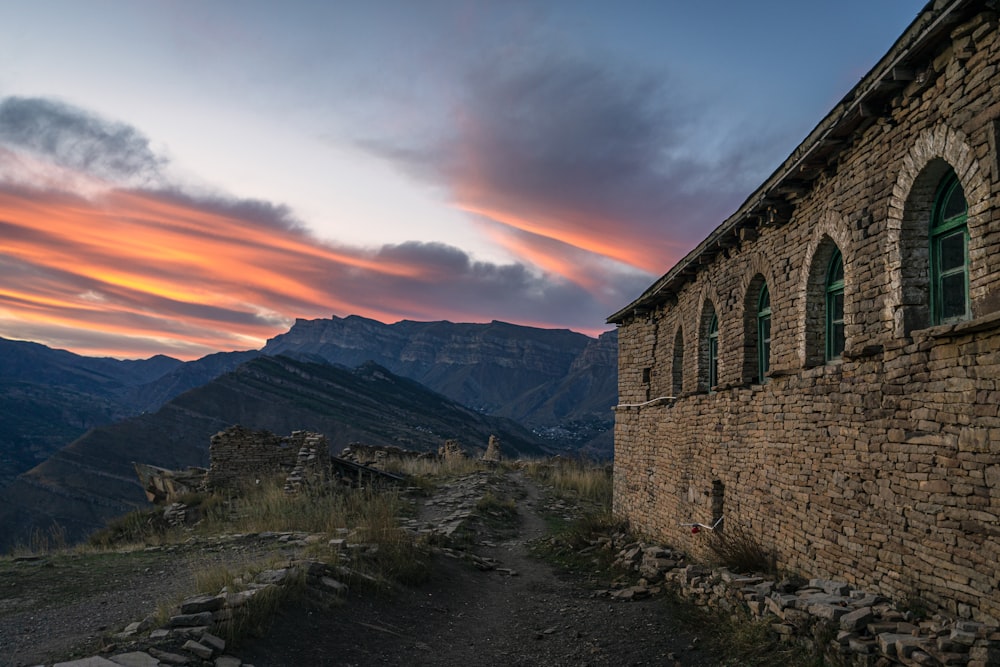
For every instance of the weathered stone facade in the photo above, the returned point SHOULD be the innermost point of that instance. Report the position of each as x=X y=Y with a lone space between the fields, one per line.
x=881 y=467
x=239 y=454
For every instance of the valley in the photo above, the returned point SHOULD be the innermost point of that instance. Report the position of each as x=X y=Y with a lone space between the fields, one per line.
x=73 y=426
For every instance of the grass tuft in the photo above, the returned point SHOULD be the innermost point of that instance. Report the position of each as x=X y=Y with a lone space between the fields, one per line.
x=571 y=479
x=738 y=549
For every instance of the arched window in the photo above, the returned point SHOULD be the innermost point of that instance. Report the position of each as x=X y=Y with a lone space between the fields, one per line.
x=834 y=334
x=949 y=253
x=713 y=351
x=763 y=334
x=708 y=348
x=677 y=368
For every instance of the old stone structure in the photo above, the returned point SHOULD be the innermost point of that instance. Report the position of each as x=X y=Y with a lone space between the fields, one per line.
x=239 y=454
x=824 y=369
x=493 y=453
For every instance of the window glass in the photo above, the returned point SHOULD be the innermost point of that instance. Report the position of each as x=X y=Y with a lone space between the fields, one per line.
x=763 y=334
x=713 y=352
x=952 y=296
x=955 y=204
x=834 y=331
x=952 y=251
x=949 y=256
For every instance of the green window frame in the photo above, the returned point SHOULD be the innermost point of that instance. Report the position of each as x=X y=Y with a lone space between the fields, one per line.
x=713 y=352
x=949 y=253
x=763 y=334
x=834 y=330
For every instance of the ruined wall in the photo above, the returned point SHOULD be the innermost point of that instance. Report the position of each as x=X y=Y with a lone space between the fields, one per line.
x=882 y=468
x=238 y=454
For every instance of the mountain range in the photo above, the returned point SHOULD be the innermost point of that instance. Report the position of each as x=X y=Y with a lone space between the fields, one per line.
x=79 y=422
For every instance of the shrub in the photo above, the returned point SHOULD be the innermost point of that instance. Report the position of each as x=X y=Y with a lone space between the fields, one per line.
x=738 y=549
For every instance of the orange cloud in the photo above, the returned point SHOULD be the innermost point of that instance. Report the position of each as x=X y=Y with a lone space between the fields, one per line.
x=140 y=264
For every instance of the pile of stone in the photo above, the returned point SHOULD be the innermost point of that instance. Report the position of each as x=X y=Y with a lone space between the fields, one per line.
x=863 y=628
x=190 y=636
x=830 y=617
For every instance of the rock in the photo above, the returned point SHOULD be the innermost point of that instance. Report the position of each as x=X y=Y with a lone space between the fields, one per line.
x=95 y=661
x=169 y=658
x=135 y=659
x=331 y=584
x=199 y=650
x=896 y=645
x=190 y=620
x=272 y=576
x=857 y=619
x=227 y=661
x=827 y=611
x=200 y=603
x=217 y=644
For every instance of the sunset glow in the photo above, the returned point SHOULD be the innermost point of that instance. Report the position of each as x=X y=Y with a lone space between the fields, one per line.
x=191 y=181
x=137 y=265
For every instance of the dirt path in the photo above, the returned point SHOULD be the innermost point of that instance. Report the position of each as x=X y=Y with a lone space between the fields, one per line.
x=464 y=617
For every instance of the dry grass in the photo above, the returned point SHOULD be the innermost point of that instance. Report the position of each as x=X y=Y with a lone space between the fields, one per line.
x=431 y=469
x=737 y=548
x=574 y=480
x=266 y=507
x=253 y=617
x=41 y=542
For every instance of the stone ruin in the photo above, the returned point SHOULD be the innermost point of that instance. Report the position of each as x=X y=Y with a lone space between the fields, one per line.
x=493 y=454
x=451 y=450
x=161 y=484
x=240 y=454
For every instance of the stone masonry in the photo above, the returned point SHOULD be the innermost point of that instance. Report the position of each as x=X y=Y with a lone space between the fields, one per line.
x=880 y=468
x=239 y=454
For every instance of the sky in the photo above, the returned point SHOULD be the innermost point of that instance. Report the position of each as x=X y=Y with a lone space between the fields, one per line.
x=184 y=177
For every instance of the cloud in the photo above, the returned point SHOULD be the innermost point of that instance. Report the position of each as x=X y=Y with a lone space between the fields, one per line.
x=604 y=158
x=127 y=269
x=143 y=272
x=75 y=139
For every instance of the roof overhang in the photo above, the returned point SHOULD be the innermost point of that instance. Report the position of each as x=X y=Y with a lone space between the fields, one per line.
x=772 y=202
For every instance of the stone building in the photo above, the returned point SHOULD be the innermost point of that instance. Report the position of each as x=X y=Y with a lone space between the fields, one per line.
x=824 y=369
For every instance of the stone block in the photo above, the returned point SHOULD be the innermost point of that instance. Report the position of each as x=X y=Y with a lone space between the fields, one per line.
x=217 y=644
x=190 y=620
x=198 y=649
x=857 y=619
x=135 y=659
x=827 y=611
x=200 y=603
x=169 y=658
x=887 y=642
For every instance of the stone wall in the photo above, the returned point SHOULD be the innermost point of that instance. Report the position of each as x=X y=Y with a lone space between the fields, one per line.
x=240 y=454
x=881 y=468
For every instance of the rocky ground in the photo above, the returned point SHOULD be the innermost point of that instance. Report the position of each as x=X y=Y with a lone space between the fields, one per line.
x=523 y=612
x=488 y=600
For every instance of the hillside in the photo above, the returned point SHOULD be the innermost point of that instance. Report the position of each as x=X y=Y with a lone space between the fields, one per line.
x=92 y=480
x=559 y=383
x=50 y=397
